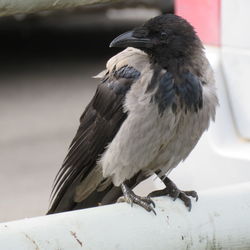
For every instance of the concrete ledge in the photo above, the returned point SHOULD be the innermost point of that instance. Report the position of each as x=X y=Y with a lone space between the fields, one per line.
x=219 y=220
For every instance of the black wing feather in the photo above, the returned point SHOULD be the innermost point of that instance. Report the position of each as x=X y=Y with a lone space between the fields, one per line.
x=99 y=124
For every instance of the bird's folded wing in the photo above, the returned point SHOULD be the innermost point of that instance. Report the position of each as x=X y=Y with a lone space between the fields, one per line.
x=98 y=125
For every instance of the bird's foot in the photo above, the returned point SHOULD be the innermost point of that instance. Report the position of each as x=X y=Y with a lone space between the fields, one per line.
x=131 y=198
x=174 y=192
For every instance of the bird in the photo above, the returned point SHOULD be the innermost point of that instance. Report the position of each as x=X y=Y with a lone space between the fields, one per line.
x=154 y=101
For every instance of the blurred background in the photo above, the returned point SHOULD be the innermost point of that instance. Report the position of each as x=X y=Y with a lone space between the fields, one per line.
x=46 y=68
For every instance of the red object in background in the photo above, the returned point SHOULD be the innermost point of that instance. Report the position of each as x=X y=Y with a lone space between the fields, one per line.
x=204 y=15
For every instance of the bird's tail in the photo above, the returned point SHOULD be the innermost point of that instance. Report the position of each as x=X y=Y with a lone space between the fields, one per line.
x=92 y=191
x=80 y=192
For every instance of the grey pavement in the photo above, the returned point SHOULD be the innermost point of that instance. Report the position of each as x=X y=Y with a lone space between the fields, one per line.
x=40 y=105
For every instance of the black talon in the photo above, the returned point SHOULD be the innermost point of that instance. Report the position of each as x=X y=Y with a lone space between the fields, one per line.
x=153 y=204
x=148 y=200
x=187 y=201
x=193 y=194
x=153 y=211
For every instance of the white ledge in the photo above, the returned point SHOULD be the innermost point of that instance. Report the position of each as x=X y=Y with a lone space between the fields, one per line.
x=219 y=220
x=11 y=7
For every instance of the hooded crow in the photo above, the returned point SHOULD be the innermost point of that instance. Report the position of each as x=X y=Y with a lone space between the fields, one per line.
x=154 y=101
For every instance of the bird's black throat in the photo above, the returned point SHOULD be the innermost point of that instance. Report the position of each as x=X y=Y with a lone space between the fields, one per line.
x=177 y=83
x=168 y=62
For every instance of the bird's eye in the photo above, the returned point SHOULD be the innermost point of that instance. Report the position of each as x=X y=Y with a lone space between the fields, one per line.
x=164 y=35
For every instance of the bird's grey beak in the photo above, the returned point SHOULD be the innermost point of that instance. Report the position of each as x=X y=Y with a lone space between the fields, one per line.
x=128 y=40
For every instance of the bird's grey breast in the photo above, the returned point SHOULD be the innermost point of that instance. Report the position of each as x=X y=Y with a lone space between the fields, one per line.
x=196 y=104
x=166 y=117
x=137 y=143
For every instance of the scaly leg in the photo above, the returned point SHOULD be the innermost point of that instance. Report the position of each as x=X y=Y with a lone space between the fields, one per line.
x=172 y=191
x=131 y=198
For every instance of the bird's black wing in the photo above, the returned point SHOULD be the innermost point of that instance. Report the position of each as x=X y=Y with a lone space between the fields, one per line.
x=99 y=124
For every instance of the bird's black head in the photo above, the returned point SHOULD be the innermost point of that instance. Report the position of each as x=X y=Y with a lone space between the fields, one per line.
x=163 y=37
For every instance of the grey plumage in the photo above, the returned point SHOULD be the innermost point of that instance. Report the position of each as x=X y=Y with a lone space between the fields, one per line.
x=149 y=111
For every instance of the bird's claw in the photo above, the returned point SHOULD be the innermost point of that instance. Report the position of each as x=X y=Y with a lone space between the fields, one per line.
x=131 y=198
x=192 y=194
x=175 y=193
